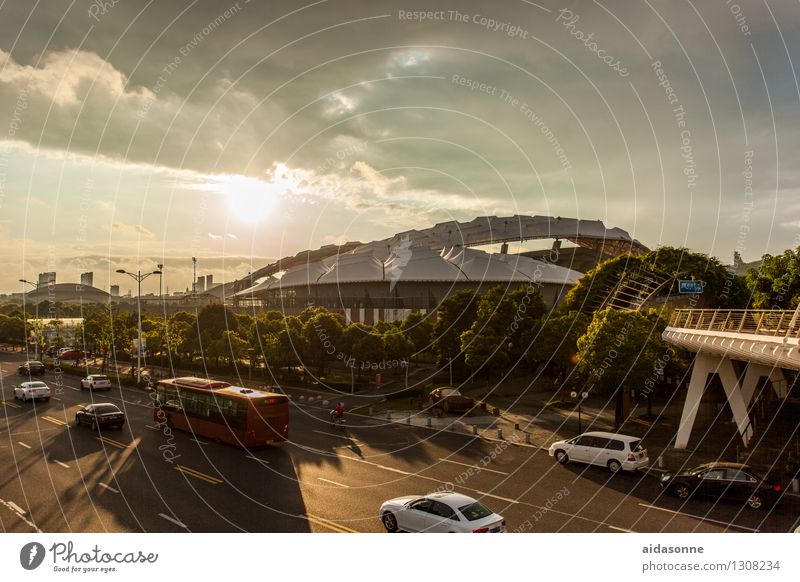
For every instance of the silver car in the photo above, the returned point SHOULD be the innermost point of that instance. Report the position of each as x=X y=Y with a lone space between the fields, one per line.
x=446 y=512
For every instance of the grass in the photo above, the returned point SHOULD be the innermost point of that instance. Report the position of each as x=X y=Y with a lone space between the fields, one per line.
x=398 y=404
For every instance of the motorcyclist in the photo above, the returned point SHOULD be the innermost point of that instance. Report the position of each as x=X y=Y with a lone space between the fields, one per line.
x=338 y=412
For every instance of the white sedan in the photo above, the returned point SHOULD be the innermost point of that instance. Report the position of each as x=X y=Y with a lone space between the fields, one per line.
x=32 y=391
x=96 y=382
x=440 y=513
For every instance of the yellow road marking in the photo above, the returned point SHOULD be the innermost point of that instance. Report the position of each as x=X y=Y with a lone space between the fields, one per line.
x=332 y=525
x=54 y=420
x=199 y=475
x=112 y=442
x=11 y=404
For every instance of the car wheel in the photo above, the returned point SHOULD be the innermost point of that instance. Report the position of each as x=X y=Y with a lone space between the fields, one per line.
x=681 y=491
x=389 y=522
x=94 y=425
x=614 y=466
x=562 y=457
x=755 y=501
x=77 y=420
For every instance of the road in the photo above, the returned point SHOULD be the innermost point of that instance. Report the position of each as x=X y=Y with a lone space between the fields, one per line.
x=60 y=478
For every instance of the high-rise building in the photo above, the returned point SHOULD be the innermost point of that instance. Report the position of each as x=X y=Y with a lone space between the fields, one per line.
x=87 y=279
x=115 y=290
x=47 y=278
x=201 y=284
x=209 y=281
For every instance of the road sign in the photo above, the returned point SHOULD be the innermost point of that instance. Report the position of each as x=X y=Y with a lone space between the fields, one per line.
x=690 y=286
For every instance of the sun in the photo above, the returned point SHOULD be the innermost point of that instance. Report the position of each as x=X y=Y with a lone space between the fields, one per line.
x=249 y=199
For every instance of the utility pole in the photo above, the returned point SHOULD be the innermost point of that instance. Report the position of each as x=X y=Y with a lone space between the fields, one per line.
x=194 y=277
x=36 y=351
x=139 y=277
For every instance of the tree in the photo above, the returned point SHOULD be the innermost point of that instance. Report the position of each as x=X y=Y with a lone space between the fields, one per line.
x=12 y=329
x=322 y=333
x=455 y=315
x=776 y=284
x=397 y=348
x=556 y=344
x=215 y=319
x=417 y=328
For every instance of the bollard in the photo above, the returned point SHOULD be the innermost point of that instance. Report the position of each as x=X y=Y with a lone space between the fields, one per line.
x=660 y=462
x=499 y=433
x=302 y=398
x=324 y=403
x=408 y=419
x=388 y=415
x=429 y=424
x=474 y=429
x=370 y=411
x=527 y=438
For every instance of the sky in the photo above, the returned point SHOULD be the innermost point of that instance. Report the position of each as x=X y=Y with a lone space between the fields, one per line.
x=134 y=133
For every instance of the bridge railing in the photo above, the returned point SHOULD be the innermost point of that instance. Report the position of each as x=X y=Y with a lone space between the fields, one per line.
x=752 y=321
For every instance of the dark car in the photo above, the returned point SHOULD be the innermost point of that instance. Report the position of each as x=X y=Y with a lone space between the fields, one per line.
x=32 y=368
x=100 y=416
x=723 y=481
x=72 y=355
x=449 y=400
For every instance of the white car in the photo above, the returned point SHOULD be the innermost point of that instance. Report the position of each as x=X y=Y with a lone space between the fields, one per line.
x=32 y=391
x=96 y=382
x=446 y=512
x=608 y=449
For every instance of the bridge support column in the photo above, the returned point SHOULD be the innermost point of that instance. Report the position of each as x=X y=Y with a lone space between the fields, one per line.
x=738 y=400
x=757 y=371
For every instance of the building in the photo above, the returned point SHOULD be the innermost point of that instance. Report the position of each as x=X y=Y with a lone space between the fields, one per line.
x=87 y=279
x=114 y=290
x=67 y=293
x=47 y=278
x=415 y=270
x=201 y=285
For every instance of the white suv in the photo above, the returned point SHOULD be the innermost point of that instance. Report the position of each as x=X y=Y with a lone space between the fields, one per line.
x=615 y=451
x=96 y=382
x=32 y=391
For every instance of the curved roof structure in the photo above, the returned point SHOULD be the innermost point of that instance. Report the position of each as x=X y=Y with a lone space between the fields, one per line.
x=68 y=293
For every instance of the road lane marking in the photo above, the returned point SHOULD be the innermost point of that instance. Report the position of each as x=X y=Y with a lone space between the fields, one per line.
x=112 y=442
x=333 y=482
x=11 y=404
x=21 y=514
x=700 y=517
x=104 y=486
x=195 y=473
x=175 y=521
x=153 y=427
x=62 y=464
x=473 y=466
x=506 y=499
x=23 y=444
x=622 y=529
x=331 y=525
x=55 y=421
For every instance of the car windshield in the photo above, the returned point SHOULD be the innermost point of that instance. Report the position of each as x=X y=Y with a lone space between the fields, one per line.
x=105 y=408
x=698 y=470
x=99 y=377
x=37 y=385
x=636 y=446
x=475 y=511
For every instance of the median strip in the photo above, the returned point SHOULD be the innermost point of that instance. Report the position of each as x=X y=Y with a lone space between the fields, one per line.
x=331 y=525
x=195 y=473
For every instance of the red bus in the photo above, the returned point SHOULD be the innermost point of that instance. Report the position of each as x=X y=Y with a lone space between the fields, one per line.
x=220 y=411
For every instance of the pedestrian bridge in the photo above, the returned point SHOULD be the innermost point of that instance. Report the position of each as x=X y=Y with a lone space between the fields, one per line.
x=743 y=347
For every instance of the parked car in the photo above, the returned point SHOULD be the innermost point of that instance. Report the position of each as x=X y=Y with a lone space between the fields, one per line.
x=32 y=391
x=31 y=368
x=72 y=355
x=615 y=451
x=723 y=481
x=446 y=512
x=96 y=382
x=450 y=400
x=100 y=415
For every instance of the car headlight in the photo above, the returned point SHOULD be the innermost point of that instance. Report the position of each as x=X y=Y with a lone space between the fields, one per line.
x=666 y=477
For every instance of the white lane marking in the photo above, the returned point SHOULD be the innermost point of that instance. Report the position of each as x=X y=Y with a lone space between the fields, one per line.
x=153 y=427
x=104 y=486
x=622 y=529
x=62 y=464
x=506 y=499
x=333 y=482
x=700 y=517
x=15 y=507
x=73 y=388
x=262 y=461
x=23 y=444
x=198 y=442
x=56 y=398
x=473 y=466
x=175 y=521
x=11 y=506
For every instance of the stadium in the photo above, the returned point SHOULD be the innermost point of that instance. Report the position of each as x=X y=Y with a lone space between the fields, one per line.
x=415 y=270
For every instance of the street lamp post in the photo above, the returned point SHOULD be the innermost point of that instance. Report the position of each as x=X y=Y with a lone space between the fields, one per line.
x=580 y=398
x=450 y=365
x=194 y=277
x=139 y=277
x=36 y=351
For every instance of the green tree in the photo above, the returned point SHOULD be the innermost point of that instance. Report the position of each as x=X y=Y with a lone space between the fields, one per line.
x=12 y=329
x=215 y=318
x=418 y=328
x=398 y=349
x=454 y=316
x=322 y=333
x=776 y=284
x=556 y=344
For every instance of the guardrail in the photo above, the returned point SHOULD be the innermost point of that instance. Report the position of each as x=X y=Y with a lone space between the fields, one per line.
x=752 y=321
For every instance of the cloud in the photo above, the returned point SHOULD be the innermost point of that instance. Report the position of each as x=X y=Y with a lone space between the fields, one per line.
x=132 y=229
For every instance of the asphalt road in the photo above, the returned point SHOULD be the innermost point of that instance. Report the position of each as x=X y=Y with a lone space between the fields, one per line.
x=59 y=478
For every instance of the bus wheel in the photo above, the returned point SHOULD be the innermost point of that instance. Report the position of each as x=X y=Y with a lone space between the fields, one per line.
x=170 y=424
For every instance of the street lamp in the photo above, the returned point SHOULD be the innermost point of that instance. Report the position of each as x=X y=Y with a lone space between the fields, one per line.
x=139 y=277
x=450 y=365
x=35 y=286
x=582 y=395
x=160 y=268
x=194 y=277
